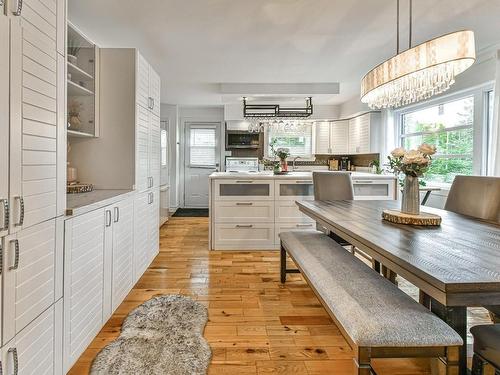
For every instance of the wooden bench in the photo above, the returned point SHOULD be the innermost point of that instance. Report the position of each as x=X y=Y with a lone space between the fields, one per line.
x=375 y=317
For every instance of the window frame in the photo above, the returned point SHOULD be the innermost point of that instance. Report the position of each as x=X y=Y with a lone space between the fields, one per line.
x=310 y=157
x=203 y=166
x=479 y=126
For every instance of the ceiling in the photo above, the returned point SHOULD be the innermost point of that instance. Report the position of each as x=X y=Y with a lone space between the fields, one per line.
x=195 y=45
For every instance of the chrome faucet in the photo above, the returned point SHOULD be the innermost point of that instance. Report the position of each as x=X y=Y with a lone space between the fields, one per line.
x=293 y=163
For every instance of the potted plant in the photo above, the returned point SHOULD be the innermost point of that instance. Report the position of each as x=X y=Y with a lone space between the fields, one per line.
x=283 y=154
x=413 y=164
x=73 y=50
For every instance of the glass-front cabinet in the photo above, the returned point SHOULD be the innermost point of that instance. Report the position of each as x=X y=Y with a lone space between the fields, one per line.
x=82 y=83
x=374 y=189
x=294 y=190
x=251 y=189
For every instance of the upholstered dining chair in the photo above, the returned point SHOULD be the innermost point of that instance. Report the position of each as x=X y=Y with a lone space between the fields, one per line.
x=475 y=196
x=333 y=186
x=478 y=197
x=486 y=349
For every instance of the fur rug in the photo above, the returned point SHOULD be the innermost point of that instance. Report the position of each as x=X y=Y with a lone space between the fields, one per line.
x=162 y=336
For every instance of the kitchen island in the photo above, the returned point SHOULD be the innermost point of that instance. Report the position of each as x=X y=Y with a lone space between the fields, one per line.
x=249 y=210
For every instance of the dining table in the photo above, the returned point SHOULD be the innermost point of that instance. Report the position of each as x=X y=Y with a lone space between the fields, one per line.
x=455 y=264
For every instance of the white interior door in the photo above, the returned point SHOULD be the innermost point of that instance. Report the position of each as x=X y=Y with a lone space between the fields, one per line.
x=202 y=158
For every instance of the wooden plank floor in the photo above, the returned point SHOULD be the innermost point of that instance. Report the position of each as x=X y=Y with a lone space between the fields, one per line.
x=256 y=325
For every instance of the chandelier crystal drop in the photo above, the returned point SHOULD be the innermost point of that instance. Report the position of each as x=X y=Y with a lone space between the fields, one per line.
x=420 y=72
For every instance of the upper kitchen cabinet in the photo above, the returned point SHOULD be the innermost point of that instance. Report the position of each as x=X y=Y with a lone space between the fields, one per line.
x=358 y=135
x=148 y=86
x=332 y=137
x=4 y=124
x=127 y=153
x=364 y=134
x=82 y=81
x=37 y=97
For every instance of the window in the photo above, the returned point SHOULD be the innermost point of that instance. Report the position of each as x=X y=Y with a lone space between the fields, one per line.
x=297 y=137
x=163 y=147
x=202 y=146
x=450 y=127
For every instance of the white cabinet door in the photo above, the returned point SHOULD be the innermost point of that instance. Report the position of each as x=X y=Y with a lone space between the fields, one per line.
x=322 y=137
x=294 y=190
x=154 y=91
x=142 y=139
x=154 y=150
x=154 y=224
x=33 y=132
x=37 y=348
x=339 y=137
x=32 y=275
x=288 y=212
x=84 y=283
x=245 y=190
x=123 y=251
x=142 y=82
x=288 y=227
x=4 y=124
x=141 y=233
x=359 y=135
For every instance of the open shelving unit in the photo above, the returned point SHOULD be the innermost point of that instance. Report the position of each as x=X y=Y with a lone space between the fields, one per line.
x=82 y=85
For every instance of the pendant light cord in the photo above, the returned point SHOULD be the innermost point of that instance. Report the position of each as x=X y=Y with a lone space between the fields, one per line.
x=411 y=24
x=397 y=28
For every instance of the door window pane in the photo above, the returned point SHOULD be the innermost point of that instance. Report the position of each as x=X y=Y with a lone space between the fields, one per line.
x=202 y=147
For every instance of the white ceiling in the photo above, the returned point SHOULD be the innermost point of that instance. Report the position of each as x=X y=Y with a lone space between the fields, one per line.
x=197 y=44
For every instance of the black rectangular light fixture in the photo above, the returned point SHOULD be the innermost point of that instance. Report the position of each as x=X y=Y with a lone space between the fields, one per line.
x=275 y=111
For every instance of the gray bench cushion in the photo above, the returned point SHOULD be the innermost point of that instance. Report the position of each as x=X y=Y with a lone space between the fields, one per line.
x=372 y=310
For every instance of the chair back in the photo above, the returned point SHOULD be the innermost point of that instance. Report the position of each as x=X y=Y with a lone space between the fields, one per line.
x=333 y=186
x=475 y=196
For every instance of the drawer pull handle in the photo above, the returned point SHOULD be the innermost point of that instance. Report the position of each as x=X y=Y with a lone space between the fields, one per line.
x=244 y=204
x=244 y=182
x=15 y=360
x=303 y=182
x=6 y=213
x=244 y=226
x=16 y=259
x=19 y=8
x=363 y=182
x=21 y=211
x=304 y=225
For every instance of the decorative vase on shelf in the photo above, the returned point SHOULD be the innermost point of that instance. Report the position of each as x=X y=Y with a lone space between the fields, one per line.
x=72 y=59
x=410 y=203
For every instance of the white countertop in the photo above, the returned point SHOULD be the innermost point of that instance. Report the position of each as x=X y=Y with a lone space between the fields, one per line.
x=268 y=175
x=77 y=204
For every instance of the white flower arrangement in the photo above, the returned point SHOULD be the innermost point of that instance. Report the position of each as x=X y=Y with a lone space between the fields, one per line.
x=412 y=162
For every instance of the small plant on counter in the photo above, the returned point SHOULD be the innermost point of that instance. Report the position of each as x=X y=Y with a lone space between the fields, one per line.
x=375 y=164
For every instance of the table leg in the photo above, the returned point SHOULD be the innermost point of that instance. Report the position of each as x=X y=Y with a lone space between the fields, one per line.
x=455 y=317
x=426 y=197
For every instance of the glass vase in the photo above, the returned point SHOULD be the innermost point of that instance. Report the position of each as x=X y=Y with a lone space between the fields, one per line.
x=410 y=203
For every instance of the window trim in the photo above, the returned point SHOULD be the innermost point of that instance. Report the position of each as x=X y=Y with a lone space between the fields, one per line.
x=302 y=158
x=204 y=166
x=480 y=145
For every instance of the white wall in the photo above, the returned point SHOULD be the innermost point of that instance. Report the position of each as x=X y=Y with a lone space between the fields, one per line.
x=169 y=113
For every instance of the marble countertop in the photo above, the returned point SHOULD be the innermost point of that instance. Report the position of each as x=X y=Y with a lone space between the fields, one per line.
x=77 y=204
x=291 y=176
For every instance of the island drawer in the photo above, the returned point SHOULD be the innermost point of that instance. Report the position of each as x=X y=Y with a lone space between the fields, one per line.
x=244 y=211
x=288 y=212
x=293 y=190
x=288 y=227
x=244 y=189
x=244 y=236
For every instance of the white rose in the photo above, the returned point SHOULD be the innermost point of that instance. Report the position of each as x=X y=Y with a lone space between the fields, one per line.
x=427 y=149
x=398 y=152
x=415 y=157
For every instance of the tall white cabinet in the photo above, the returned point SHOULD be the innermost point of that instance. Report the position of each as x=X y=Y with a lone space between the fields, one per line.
x=32 y=186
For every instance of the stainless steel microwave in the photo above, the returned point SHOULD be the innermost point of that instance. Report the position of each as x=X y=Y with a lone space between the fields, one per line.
x=242 y=139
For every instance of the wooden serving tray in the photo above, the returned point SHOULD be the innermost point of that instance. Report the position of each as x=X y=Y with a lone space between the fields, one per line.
x=424 y=219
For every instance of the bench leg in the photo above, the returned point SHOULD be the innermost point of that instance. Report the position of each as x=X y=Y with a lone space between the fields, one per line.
x=477 y=365
x=424 y=299
x=282 y=264
x=452 y=361
x=363 y=362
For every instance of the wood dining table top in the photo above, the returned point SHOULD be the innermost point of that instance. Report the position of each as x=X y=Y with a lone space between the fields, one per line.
x=457 y=263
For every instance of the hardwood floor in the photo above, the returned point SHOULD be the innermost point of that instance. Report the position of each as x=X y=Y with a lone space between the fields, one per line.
x=256 y=325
